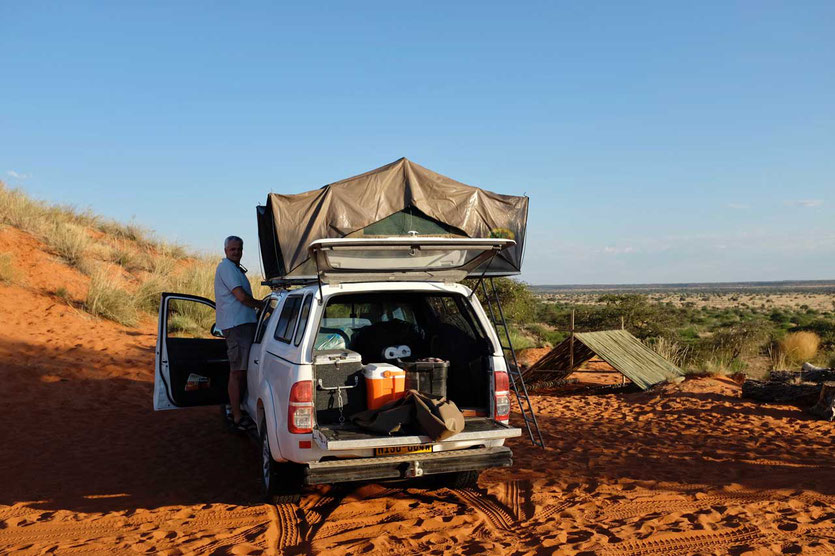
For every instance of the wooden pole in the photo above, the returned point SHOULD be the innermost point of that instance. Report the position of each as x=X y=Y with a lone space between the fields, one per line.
x=571 y=343
x=622 y=376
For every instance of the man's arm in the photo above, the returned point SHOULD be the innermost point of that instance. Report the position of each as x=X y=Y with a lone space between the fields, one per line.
x=246 y=299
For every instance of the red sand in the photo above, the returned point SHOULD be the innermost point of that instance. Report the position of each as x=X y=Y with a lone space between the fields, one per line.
x=89 y=467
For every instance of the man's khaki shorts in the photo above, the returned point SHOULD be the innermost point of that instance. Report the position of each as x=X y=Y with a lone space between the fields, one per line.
x=238 y=343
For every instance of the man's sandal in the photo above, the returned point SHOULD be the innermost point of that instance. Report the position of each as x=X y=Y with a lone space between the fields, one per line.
x=245 y=424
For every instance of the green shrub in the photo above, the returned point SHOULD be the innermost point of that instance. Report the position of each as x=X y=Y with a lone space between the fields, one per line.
x=518 y=301
x=740 y=339
x=518 y=339
x=545 y=335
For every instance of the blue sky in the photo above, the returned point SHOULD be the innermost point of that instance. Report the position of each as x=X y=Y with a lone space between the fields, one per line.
x=658 y=142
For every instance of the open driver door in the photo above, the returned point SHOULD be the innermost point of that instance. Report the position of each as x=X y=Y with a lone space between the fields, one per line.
x=192 y=367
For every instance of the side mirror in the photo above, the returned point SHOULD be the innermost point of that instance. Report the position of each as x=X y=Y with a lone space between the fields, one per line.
x=215 y=331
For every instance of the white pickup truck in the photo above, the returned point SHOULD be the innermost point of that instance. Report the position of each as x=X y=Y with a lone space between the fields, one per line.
x=305 y=370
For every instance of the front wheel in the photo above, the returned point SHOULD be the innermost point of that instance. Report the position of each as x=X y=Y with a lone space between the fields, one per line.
x=281 y=482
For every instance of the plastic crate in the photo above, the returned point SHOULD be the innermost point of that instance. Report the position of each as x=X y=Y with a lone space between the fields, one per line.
x=426 y=377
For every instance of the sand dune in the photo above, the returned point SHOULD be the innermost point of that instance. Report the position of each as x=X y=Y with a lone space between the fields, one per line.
x=89 y=467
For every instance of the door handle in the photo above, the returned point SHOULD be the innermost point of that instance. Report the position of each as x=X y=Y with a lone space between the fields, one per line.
x=256 y=361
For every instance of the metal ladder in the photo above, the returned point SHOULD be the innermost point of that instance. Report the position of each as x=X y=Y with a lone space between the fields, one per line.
x=513 y=370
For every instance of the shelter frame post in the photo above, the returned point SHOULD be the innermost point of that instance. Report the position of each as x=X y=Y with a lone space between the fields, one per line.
x=571 y=343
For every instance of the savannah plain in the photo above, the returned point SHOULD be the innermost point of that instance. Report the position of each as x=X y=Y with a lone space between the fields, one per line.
x=689 y=468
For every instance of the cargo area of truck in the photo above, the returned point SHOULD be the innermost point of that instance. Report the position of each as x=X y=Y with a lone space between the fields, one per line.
x=336 y=437
x=357 y=330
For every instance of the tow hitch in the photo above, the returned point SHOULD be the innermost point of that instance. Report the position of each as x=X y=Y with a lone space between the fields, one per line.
x=414 y=469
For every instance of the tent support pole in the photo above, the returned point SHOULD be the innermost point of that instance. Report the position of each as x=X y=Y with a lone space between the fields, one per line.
x=319 y=279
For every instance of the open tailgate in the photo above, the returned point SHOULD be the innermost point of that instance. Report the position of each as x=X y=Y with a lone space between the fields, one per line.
x=354 y=439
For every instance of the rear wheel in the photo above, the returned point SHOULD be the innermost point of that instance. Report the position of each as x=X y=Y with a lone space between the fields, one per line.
x=459 y=479
x=281 y=482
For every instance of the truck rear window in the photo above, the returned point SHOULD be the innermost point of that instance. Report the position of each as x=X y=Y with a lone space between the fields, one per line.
x=368 y=323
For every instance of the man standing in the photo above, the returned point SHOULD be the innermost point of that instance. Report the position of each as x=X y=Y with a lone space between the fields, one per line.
x=236 y=316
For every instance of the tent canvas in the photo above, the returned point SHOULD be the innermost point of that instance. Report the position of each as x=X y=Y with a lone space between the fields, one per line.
x=392 y=200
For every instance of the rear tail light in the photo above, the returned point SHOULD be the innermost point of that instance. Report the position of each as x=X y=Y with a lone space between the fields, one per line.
x=300 y=410
x=501 y=397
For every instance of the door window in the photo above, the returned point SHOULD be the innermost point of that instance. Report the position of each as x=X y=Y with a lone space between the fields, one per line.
x=189 y=319
x=266 y=313
x=192 y=365
x=287 y=319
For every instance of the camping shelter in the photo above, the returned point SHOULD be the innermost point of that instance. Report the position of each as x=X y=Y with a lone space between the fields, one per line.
x=623 y=351
x=398 y=199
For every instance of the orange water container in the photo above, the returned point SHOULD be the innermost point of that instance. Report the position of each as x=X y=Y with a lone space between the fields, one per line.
x=383 y=383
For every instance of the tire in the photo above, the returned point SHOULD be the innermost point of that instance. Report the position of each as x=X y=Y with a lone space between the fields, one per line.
x=281 y=482
x=460 y=479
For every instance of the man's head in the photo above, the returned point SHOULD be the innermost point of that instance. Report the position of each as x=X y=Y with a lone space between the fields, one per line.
x=233 y=246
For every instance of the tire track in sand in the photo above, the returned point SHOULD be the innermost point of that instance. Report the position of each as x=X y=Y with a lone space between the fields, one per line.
x=238 y=538
x=287 y=523
x=690 y=542
x=495 y=514
x=549 y=511
x=119 y=525
x=518 y=495
x=317 y=514
x=643 y=507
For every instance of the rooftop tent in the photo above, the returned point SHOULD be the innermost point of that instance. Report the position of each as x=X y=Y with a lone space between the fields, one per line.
x=397 y=199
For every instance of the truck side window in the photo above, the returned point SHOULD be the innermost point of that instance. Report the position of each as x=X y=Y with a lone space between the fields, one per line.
x=265 y=319
x=303 y=320
x=287 y=319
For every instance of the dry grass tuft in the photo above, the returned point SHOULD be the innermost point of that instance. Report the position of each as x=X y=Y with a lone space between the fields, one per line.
x=128 y=258
x=146 y=297
x=198 y=278
x=798 y=347
x=64 y=294
x=19 y=211
x=8 y=272
x=70 y=242
x=672 y=351
x=107 y=300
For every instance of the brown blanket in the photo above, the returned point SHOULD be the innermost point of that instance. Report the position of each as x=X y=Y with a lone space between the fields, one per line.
x=416 y=412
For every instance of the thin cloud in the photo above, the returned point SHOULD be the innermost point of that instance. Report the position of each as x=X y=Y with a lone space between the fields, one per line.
x=806 y=203
x=18 y=175
x=738 y=206
x=618 y=250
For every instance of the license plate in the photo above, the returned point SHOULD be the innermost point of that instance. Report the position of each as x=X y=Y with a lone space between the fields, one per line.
x=402 y=450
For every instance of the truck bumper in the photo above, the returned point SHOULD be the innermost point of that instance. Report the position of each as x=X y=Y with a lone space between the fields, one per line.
x=408 y=466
